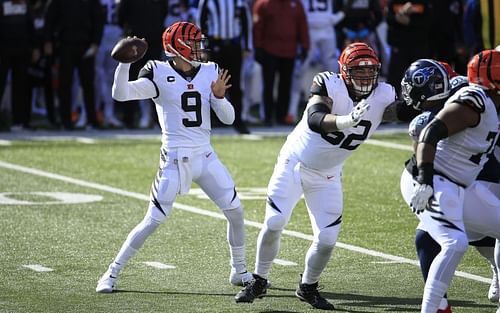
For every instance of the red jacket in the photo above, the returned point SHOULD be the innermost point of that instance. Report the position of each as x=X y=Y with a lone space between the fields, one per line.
x=279 y=26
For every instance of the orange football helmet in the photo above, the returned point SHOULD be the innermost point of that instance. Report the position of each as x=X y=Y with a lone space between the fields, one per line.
x=185 y=40
x=360 y=67
x=484 y=70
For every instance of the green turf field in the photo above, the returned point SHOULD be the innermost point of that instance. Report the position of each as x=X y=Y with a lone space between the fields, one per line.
x=78 y=240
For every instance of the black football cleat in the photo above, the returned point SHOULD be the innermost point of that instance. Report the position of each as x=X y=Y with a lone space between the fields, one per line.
x=309 y=293
x=256 y=288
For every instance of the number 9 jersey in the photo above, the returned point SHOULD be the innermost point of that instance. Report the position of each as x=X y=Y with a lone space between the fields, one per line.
x=182 y=102
x=323 y=151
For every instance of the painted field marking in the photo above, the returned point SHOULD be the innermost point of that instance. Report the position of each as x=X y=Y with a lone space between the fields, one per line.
x=284 y=262
x=159 y=265
x=5 y=142
x=221 y=216
x=38 y=268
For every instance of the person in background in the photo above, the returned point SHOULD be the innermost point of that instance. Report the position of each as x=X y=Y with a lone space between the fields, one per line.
x=282 y=22
x=321 y=21
x=407 y=34
x=228 y=26
x=17 y=37
x=481 y=25
x=73 y=31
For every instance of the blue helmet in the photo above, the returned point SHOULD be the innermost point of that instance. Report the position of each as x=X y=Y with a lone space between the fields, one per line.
x=425 y=80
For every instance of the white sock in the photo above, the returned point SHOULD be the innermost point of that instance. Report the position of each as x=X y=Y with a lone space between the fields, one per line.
x=134 y=242
x=317 y=258
x=236 y=238
x=268 y=245
x=444 y=304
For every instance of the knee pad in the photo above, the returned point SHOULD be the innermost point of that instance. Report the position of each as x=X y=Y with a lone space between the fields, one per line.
x=235 y=216
x=328 y=236
x=230 y=200
x=459 y=243
x=276 y=222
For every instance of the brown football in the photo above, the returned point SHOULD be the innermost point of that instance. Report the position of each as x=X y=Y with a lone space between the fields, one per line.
x=129 y=50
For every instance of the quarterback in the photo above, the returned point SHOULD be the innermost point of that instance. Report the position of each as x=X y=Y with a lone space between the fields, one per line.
x=184 y=89
x=343 y=111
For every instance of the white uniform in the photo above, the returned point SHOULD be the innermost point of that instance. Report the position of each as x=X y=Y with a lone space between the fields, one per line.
x=183 y=107
x=321 y=20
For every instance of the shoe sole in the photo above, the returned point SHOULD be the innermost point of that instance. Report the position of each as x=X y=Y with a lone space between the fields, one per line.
x=105 y=290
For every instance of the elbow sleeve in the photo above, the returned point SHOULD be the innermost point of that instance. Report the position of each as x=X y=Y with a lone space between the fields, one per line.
x=223 y=109
x=315 y=115
x=434 y=132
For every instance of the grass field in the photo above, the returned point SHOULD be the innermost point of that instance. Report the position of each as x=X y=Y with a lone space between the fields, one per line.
x=78 y=240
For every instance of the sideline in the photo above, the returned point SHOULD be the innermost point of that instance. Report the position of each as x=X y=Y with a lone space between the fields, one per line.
x=83 y=183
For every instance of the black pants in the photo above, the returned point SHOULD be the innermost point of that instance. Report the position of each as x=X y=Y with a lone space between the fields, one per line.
x=17 y=60
x=284 y=67
x=71 y=58
x=227 y=53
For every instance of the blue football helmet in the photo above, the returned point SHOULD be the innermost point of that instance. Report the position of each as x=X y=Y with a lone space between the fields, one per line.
x=425 y=80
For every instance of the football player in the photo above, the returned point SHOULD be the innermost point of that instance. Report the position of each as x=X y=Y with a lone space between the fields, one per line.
x=184 y=89
x=438 y=89
x=343 y=111
x=451 y=151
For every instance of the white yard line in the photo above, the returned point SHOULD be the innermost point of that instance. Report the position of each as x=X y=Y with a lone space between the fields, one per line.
x=389 y=144
x=159 y=265
x=5 y=142
x=284 y=262
x=38 y=268
x=192 y=209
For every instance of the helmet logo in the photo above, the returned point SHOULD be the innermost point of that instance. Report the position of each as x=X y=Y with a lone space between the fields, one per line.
x=421 y=76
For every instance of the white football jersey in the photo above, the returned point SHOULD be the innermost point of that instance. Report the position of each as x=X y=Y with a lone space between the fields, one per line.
x=320 y=14
x=461 y=156
x=182 y=103
x=325 y=151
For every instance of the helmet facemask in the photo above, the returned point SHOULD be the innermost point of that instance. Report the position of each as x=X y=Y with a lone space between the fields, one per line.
x=361 y=78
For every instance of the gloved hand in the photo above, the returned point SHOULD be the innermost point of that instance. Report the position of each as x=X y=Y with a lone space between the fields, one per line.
x=424 y=190
x=420 y=198
x=352 y=119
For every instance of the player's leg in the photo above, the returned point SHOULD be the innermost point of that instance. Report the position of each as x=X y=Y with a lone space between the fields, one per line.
x=284 y=190
x=443 y=220
x=217 y=183
x=323 y=195
x=163 y=193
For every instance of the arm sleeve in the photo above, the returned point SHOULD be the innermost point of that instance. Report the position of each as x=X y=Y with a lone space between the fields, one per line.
x=123 y=90
x=223 y=109
x=315 y=115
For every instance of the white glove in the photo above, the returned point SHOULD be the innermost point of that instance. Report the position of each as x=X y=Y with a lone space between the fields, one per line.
x=420 y=197
x=352 y=119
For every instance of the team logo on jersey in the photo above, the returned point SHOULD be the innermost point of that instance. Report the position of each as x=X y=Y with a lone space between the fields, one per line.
x=421 y=76
x=171 y=79
x=190 y=86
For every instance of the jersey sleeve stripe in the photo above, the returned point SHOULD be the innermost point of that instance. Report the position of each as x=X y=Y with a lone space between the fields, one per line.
x=472 y=98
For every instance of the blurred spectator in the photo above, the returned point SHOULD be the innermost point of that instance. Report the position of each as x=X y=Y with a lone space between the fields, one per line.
x=181 y=10
x=144 y=19
x=408 y=35
x=40 y=72
x=361 y=20
x=74 y=31
x=481 y=25
x=280 y=30
x=105 y=64
x=446 y=37
x=321 y=21
x=227 y=24
x=16 y=53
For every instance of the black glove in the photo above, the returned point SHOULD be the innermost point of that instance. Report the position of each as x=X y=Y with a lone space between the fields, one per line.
x=259 y=55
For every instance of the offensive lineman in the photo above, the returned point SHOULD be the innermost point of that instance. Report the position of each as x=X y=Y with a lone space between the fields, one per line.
x=343 y=111
x=451 y=152
x=184 y=90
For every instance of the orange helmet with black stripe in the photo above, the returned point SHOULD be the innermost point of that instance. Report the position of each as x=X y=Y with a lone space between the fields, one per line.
x=359 y=67
x=185 y=40
x=484 y=70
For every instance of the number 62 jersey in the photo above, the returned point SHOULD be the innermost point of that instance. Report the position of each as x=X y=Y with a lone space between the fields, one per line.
x=328 y=150
x=182 y=102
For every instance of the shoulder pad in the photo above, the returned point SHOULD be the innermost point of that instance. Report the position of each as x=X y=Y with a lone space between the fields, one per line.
x=320 y=81
x=473 y=97
x=418 y=123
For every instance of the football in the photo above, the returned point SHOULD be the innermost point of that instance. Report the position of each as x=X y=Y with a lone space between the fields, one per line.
x=129 y=50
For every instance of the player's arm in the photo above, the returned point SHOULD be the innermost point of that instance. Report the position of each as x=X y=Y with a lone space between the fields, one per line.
x=453 y=118
x=142 y=88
